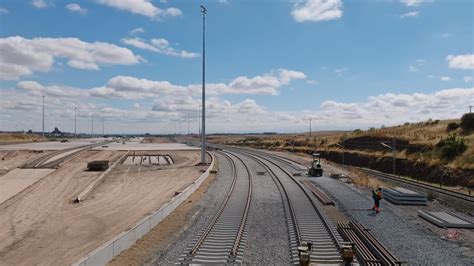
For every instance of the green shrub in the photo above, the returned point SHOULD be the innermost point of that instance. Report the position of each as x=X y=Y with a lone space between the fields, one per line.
x=452 y=126
x=451 y=147
x=467 y=122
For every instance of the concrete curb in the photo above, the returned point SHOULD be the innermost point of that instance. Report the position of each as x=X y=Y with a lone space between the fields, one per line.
x=111 y=248
x=83 y=194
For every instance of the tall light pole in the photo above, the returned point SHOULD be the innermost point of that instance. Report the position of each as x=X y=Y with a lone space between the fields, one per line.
x=203 y=133
x=75 y=122
x=43 y=116
x=310 y=126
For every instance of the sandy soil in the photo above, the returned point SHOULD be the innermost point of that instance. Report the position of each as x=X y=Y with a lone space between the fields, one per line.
x=13 y=159
x=166 y=232
x=41 y=226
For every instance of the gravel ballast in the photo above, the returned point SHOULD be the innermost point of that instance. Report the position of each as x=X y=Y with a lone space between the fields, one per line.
x=267 y=241
x=268 y=234
x=205 y=209
x=405 y=236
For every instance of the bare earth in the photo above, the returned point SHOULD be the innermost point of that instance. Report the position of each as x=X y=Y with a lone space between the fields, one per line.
x=41 y=226
x=10 y=160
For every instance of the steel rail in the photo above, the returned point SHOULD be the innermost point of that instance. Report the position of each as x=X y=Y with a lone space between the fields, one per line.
x=224 y=226
x=301 y=219
x=447 y=192
x=39 y=162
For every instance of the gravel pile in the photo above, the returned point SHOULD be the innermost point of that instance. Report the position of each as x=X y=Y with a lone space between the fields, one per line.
x=204 y=209
x=408 y=239
x=268 y=234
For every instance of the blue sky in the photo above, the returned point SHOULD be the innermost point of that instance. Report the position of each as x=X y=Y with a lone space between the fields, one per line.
x=271 y=65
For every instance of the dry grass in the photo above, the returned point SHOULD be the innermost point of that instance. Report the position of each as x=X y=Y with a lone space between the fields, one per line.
x=19 y=137
x=427 y=134
x=363 y=180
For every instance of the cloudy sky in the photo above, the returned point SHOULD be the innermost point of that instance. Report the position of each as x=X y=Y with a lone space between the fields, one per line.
x=271 y=65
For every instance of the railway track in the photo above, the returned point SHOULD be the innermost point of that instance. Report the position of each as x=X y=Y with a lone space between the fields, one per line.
x=44 y=161
x=222 y=241
x=305 y=221
x=439 y=190
x=446 y=192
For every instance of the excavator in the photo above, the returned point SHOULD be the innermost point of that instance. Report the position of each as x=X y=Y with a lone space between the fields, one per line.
x=315 y=169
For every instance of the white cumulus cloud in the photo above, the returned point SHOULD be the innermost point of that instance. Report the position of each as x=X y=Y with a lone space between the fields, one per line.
x=159 y=45
x=412 y=14
x=316 y=10
x=415 y=2
x=465 y=61
x=76 y=8
x=20 y=56
x=39 y=3
x=141 y=7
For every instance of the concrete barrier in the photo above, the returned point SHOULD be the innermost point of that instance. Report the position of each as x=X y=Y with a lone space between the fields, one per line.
x=110 y=249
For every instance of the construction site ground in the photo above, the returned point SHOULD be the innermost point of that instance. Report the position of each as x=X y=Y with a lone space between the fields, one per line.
x=42 y=222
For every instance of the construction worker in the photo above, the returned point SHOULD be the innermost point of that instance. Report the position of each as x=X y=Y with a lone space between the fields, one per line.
x=377 y=196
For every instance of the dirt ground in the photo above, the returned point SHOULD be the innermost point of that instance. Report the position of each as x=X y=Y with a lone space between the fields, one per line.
x=42 y=222
x=13 y=159
x=163 y=235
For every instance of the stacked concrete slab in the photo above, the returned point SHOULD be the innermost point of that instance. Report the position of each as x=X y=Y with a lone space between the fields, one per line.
x=448 y=220
x=403 y=196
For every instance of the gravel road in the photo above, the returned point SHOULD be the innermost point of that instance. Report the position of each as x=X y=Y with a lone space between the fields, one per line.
x=405 y=236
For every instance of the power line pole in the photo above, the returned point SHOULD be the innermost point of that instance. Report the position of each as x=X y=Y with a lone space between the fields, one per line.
x=203 y=134
x=43 y=116
x=103 y=122
x=75 y=122
x=188 y=122
x=310 y=127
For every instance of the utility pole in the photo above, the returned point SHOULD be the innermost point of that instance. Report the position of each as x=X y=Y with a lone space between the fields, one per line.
x=75 y=122
x=203 y=134
x=188 y=122
x=310 y=127
x=103 y=122
x=180 y=126
x=43 y=116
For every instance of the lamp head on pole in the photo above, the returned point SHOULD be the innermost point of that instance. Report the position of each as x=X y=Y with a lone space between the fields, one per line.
x=203 y=10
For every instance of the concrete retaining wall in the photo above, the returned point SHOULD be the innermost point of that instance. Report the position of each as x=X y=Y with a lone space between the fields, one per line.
x=124 y=240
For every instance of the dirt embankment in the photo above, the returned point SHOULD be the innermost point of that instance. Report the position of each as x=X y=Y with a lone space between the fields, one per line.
x=405 y=167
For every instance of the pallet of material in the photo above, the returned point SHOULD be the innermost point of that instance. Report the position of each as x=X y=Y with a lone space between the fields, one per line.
x=403 y=196
x=446 y=220
x=101 y=165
